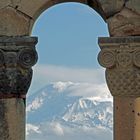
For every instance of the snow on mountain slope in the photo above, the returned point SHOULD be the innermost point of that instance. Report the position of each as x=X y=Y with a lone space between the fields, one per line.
x=90 y=113
x=59 y=109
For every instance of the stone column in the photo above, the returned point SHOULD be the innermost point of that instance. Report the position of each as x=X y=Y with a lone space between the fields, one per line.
x=17 y=56
x=121 y=58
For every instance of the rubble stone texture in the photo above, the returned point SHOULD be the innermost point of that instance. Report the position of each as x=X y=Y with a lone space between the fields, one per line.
x=134 y=5
x=124 y=23
x=17 y=18
x=122 y=16
x=111 y=7
x=13 y=22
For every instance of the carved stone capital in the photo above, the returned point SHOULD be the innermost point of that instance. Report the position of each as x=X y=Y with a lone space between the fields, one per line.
x=121 y=58
x=17 y=56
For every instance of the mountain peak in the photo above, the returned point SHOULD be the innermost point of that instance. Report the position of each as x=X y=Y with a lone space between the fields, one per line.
x=72 y=106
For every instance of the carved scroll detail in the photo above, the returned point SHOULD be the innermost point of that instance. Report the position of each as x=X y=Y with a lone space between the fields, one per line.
x=107 y=58
x=27 y=57
x=16 y=60
x=122 y=58
x=122 y=63
x=136 y=58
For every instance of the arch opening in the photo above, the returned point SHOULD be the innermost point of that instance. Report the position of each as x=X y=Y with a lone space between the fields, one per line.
x=71 y=82
x=94 y=5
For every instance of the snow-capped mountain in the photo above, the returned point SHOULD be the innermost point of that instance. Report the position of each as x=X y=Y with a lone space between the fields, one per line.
x=59 y=109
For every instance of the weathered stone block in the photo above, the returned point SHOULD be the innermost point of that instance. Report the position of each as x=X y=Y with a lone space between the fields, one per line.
x=134 y=5
x=15 y=3
x=124 y=23
x=36 y=7
x=110 y=7
x=32 y=8
x=13 y=120
x=13 y=23
x=4 y=3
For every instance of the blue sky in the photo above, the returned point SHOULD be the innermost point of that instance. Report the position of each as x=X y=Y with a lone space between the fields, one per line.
x=68 y=35
x=67 y=48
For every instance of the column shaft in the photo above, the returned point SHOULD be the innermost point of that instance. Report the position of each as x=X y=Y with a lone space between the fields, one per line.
x=137 y=119
x=12 y=119
x=124 y=118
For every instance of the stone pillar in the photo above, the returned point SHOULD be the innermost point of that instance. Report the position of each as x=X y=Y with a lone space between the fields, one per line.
x=121 y=58
x=17 y=56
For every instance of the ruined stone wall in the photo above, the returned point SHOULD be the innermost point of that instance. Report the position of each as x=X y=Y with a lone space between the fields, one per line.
x=122 y=16
x=17 y=18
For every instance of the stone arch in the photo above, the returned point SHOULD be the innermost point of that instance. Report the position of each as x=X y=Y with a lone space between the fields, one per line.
x=34 y=9
x=18 y=16
x=21 y=14
x=121 y=16
x=40 y=6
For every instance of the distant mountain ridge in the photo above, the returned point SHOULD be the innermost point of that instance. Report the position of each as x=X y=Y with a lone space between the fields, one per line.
x=55 y=103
